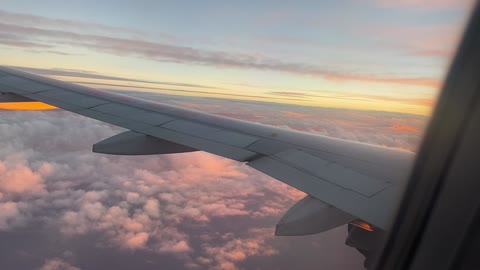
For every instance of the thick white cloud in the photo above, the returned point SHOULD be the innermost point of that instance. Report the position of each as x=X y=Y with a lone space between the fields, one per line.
x=151 y=208
x=234 y=250
x=18 y=178
x=136 y=240
x=136 y=202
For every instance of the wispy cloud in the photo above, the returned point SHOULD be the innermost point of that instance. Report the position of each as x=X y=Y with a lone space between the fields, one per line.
x=421 y=101
x=93 y=75
x=438 y=40
x=164 y=52
x=158 y=89
x=54 y=52
x=431 y=5
x=309 y=95
x=122 y=83
x=15 y=41
x=28 y=20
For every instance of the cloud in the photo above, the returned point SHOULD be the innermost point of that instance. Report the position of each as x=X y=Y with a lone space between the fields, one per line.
x=135 y=207
x=54 y=52
x=235 y=250
x=57 y=264
x=291 y=114
x=70 y=25
x=92 y=75
x=427 y=101
x=9 y=213
x=14 y=42
x=178 y=247
x=156 y=89
x=164 y=52
x=406 y=128
x=137 y=240
x=425 y=4
x=305 y=95
x=437 y=40
x=203 y=210
x=151 y=208
x=18 y=178
x=374 y=127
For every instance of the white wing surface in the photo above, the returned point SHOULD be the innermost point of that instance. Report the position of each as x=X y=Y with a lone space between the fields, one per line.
x=362 y=180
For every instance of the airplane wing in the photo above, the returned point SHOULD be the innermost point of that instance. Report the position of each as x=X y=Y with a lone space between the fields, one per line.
x=344 y=180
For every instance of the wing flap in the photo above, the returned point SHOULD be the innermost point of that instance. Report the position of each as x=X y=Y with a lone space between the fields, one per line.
x=333 y=172
x=344 y=199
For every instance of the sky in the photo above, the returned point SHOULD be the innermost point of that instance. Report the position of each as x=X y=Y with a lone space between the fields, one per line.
x=374 y=54
x=366 y=71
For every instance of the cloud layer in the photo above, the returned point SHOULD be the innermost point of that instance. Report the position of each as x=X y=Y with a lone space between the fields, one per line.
x=199 y=210
x=395 y=130
x=52 y=34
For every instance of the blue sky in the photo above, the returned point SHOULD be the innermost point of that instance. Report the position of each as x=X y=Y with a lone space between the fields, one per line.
x=391 y=54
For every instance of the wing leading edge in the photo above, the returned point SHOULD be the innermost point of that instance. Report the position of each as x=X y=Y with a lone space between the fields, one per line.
x=361 y=180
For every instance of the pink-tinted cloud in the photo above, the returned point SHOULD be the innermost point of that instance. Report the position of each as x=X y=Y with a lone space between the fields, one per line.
x=290 y=114
x=151 y=208
x=9 y=213
x=57 y=264
x=405 y=128
x=18 y=178
x=236 y=250
x=438 y=40
x=137 y=240
x=161 y=205
x=426 y=4
x=135 y=209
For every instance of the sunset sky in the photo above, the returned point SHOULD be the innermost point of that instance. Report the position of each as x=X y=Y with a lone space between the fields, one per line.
x=376 y=54
x=367 y=71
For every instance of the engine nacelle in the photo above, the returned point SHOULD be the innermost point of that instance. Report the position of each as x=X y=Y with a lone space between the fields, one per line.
x=311 y=216
x=134 y=143
x=367 y=239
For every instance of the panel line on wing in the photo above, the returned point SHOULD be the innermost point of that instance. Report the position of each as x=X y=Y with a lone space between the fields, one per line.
x=332 y=172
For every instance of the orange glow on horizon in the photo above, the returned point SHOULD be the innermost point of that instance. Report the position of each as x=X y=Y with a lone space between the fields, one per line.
x=26 y=106
x=406 y=128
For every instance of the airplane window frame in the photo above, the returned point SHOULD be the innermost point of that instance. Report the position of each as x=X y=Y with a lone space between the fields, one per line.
x=441 y=206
